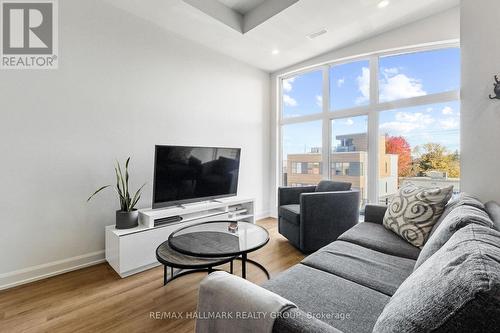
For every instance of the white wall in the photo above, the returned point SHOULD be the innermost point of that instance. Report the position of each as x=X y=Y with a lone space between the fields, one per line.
x=123 y=85
x=441 y=27
x=480 y=115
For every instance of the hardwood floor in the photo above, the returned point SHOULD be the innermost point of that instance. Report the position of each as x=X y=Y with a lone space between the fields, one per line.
x=95 y=299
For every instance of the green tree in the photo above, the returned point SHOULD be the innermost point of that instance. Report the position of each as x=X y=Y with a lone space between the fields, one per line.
x=434 y=156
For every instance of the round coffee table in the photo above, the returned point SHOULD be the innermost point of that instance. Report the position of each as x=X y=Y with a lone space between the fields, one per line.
x=185 y=264
x=218 y=239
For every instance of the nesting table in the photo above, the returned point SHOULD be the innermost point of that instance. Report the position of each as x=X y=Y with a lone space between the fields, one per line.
x=203 y=246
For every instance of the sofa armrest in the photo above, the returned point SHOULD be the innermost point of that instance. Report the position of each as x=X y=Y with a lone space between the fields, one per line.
x=297 y=321
x=226 y=295
x=291 y=195
x=326 y=215
x=375 y=213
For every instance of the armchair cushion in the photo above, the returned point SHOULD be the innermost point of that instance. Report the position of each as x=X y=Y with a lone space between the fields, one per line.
x=290 y=213
x=330 y=186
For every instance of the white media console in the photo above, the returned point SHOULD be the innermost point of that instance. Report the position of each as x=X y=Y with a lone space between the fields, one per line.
x=131 y=251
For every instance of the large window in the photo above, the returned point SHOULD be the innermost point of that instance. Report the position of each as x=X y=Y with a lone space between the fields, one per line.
x=388 y=120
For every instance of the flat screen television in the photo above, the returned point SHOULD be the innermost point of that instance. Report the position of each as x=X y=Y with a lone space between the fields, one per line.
x=185 y=174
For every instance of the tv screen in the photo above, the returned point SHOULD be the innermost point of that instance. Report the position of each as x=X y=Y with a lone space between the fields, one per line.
x=188 y=174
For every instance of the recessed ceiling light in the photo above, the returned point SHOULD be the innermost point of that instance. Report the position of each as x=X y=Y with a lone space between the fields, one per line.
x=383 y=4
x=275 y=51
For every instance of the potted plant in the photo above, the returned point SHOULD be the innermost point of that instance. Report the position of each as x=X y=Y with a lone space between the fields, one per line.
x=127 y=217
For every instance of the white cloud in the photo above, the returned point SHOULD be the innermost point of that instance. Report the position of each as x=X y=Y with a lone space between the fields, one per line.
x=418 y=118
x=391 y=71
x=319 y=101
x=395 y=86
x=340 y=82
x=429 y=109
x=349 y=122
x=289 y=101
x=447 y=110
x=450 y=123
x=398 y=126
x=406 y=122
x=364 y=85
x=287 y=84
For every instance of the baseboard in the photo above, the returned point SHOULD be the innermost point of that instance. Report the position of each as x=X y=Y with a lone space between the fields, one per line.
x=39 y=272
x=262 y=215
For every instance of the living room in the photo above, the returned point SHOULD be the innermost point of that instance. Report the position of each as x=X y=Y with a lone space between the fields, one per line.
x=249 y=166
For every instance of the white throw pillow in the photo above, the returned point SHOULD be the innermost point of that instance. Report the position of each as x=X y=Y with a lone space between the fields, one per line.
x=413 y=211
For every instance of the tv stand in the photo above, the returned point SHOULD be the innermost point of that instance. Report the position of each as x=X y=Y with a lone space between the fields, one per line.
x=131 y=251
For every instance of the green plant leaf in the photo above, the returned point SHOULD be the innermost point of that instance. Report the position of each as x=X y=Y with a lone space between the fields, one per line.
x=137 y=196
x=99 y=190
x=126 y=179
x=122 y=181
x=118 y=182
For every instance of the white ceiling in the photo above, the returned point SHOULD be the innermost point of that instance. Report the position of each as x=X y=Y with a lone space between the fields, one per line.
x=347 y=21
x=242 y=6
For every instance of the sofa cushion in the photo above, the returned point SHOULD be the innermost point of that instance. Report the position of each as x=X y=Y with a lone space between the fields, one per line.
x=290 y=213
x=458 y=218
x=456 y=290
x=459 y=200
x=493 y=210
x=330 y=186
x=414 y=210
x=372 y=269
x=376 y=237
x=341 y=303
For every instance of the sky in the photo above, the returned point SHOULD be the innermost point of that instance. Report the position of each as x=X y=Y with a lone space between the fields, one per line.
x=400 y=76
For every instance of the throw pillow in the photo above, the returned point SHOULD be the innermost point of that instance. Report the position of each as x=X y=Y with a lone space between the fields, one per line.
x=414 y=210
x=456 y=290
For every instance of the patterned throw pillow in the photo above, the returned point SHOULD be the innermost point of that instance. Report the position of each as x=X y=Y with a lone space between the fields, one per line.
x=413 y=211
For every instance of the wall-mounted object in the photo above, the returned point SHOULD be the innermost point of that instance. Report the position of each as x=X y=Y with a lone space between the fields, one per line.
x=496 y=90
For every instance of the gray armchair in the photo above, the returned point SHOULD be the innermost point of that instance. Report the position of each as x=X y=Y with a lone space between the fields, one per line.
x=311 y=217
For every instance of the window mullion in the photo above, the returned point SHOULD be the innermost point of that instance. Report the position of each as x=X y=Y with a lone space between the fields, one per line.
x=326 y=133
x=373 y=137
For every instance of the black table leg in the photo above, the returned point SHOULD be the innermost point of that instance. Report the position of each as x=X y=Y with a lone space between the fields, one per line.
x=244 y=260
x=165 y=275
x=244 y=265
x=231 y=267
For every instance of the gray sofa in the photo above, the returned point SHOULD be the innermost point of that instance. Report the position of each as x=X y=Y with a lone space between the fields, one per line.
x=311 y=217
x=370 y=279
